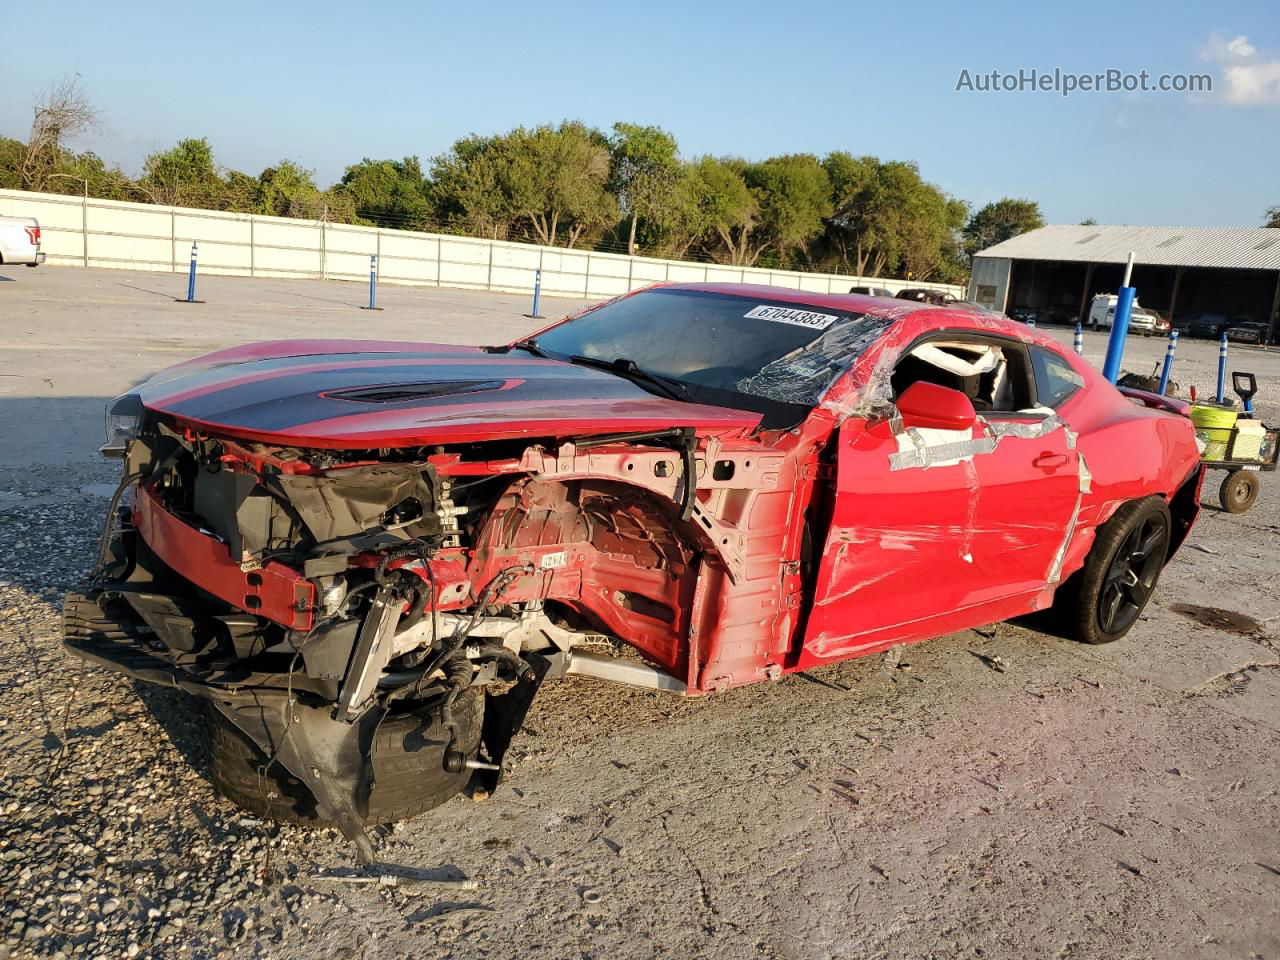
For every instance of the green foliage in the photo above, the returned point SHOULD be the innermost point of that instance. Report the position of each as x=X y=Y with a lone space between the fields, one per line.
x=550 y=182
x=184 y=176
x=997 y=222
x=11 y=154
x=571 y=185
x=390 y=193
x=288 y=190
x=793 y=198
x=888 y=219
x=646 y=169
x=1272 y=217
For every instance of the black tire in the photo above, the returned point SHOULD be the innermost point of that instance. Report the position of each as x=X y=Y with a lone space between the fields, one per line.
x=1122 y=570
x=1239 y=490
x=408 y=766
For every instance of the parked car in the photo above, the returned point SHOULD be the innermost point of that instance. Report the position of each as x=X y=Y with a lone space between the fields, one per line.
x=872 y=291
x=1102 y=311
x=1246 y=330
x=365 y=557
x=20 y=241
x=1207 y=326
x=1024 y=315
x=1145 y=322
x=922 y=295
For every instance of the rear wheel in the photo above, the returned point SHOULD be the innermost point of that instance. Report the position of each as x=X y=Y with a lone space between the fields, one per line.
x=407 y=759
x=1121 y=572
x=1239 y=490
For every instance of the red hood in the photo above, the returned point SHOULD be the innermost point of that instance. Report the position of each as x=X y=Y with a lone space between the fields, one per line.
x=364 y=393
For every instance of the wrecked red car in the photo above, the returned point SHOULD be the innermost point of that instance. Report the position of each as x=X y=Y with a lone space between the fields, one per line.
x=365 y=557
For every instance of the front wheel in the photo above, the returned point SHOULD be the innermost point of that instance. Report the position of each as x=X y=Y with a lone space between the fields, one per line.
x=407 y=757
x=1122 y=571
x=1239 y=491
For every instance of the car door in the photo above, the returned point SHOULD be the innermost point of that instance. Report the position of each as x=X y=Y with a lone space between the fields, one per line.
x=954 y=529
x=894 y=562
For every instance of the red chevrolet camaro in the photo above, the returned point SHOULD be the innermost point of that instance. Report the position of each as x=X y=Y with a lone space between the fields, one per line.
x=365 y=557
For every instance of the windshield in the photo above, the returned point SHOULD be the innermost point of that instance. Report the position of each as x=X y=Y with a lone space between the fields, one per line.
x=726 y=349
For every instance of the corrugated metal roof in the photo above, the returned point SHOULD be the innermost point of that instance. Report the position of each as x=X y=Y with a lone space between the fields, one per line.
x=1257 y=249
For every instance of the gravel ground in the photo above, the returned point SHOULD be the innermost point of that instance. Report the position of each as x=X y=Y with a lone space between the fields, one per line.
x=996 y=793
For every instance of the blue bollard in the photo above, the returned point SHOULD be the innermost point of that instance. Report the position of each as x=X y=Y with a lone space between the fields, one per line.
x=373 y=283
x=537 y=292
x=1078 y=342
x=1168 y=361
x=191 y=278
x=1119 y=330
x=1222 y=368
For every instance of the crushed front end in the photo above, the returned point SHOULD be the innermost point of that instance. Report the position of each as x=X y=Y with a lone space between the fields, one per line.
x=309 y=594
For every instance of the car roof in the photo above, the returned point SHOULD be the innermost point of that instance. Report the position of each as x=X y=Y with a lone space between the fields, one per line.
x=952 y=316
x=850 y=302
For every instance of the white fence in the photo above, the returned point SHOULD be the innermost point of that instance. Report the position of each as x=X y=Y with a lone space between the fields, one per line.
x=139 y=236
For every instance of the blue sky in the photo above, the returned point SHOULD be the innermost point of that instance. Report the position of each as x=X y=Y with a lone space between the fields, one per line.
x=325 y=84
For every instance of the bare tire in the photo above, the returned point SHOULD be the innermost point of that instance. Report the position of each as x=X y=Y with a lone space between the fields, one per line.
x=1239 y=490
x=1121 y=572
x=408 y=766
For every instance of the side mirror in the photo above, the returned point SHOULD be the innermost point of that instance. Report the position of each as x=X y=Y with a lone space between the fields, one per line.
x=925 y=404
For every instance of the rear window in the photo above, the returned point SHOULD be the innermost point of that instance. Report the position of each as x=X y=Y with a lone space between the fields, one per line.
x=1056 y=380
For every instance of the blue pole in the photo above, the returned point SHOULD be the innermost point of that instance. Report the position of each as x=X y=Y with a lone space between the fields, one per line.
x=191 y=279
x=1078 y=342
x=1222 y=368
x=1168 y=361
x=1119 y=330
x=537 y=292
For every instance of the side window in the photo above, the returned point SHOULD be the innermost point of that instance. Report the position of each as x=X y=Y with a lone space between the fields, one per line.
x=993 y=376
x=1055 y=379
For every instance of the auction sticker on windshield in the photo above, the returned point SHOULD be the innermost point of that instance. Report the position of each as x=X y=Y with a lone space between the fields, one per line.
x=800 y=318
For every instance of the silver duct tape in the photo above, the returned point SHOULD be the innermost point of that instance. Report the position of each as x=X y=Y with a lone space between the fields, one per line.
x=1085 y=486
x=924 y=455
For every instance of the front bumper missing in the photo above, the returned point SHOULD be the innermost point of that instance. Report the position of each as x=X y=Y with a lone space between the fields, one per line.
x=271 y=590
x=327 y=755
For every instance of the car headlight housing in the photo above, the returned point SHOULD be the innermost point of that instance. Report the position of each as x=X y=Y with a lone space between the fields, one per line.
x=124 y=417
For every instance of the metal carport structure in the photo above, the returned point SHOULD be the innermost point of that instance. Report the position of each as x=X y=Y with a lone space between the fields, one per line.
x=1182 y=272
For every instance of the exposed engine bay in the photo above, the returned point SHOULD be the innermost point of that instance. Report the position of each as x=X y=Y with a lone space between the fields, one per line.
x=308 y=594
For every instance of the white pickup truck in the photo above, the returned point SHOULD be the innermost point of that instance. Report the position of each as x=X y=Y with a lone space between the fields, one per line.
x=20 y=241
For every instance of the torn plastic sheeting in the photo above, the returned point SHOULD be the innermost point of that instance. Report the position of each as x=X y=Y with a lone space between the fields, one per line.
x=805 y=374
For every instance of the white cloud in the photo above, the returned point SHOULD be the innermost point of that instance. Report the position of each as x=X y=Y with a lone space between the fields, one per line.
x=1248 y=78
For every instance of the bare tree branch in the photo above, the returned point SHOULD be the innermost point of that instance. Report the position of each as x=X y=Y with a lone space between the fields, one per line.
x=62 y=112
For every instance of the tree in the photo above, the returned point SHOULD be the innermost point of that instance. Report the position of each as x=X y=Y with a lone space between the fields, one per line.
x=390 y=193
x=62 y=112
x=1272 y=217
x=793 y=197
x=470 y=187
x=997 y=222
x=559 y=180
x=1088 y=222
x=722 y=209
x=288 y=190
x=184 y=175
x=646 y=169
x=884 y=214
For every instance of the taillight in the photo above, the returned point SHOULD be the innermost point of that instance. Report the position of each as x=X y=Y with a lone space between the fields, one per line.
x=33 y=234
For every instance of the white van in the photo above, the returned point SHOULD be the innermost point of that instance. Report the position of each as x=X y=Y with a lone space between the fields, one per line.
x=20 y=241
x=1102 y=311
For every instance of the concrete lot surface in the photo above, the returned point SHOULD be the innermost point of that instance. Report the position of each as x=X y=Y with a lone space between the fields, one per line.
x=995 y=793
